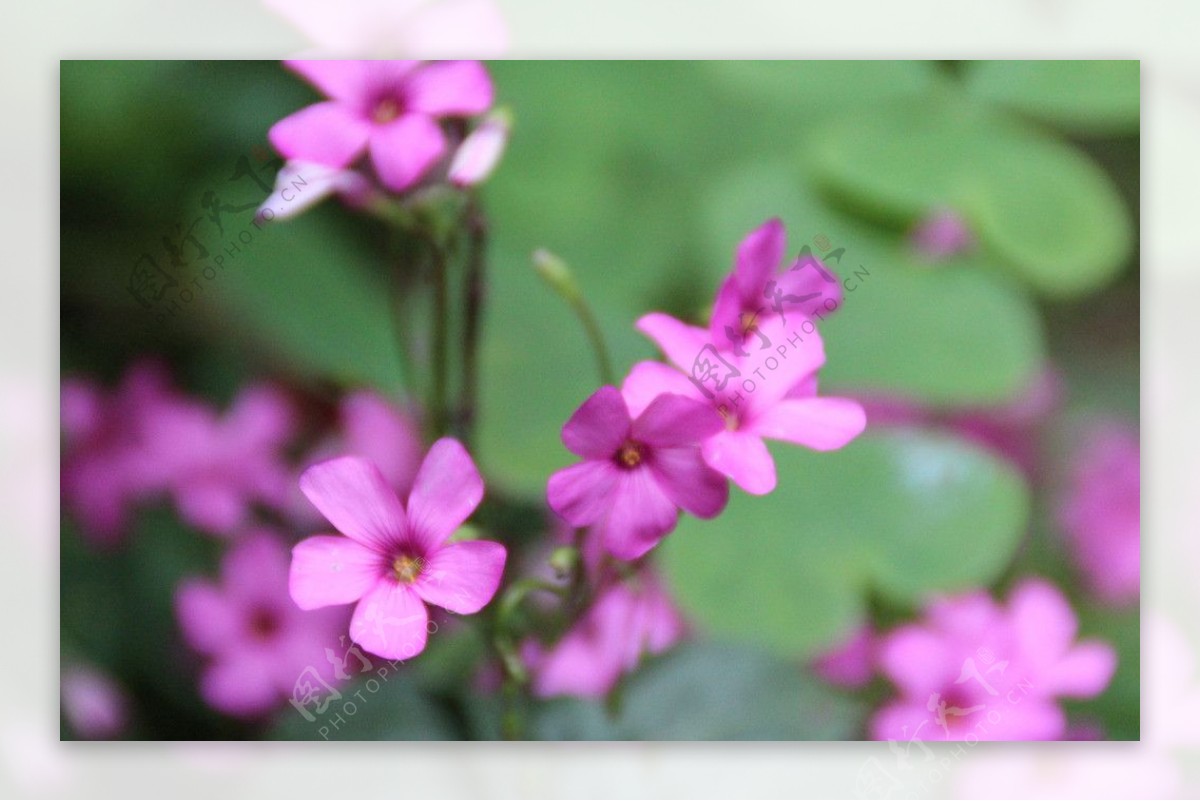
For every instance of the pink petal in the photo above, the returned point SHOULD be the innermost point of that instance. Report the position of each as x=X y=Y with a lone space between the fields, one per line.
x=480 y=152
x=343 y=80
x=1084 y=672
x=758 y=256
x=647 y=380
x=239 y=685
x=354 y=496
x=903 y=721
x=404 y=150
x=260 y=414
x=599 y=426
x=582 y=493
x=214 y=507
x=255 y=568
x=332 y=570
x=795 y=365
x=689 y=482
x=808 y=281
x=208 y=620
x=450 y=88
x=744 y=458
x=641 y=514
x=376 y=430
x=1029 y=719
x=325 y=133
x=1043 y=622
x=680 y=343
x=462 y=577
x=390 y=621
x=822 y=424
x=918 y=662
x=674 y=420
x=446 y=491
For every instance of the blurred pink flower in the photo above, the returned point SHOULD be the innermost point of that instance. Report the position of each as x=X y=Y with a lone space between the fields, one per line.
x=850 y=663
x=627 y=620
x=754 y=291
x=394 y=560
x=640 y=467
x=941 y=234
x=480 y=152
x=1101 y=511
x=757 y=402
x=388 y=28
x=973 y=669
x=217 y=467
x=389 y=108
x=257 y=642
x=300 y=185
x=104 y=460
x=92 y=703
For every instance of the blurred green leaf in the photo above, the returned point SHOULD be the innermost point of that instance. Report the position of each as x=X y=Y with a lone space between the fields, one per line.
x=1090 y=97
x=396 y=710
x=904 y=513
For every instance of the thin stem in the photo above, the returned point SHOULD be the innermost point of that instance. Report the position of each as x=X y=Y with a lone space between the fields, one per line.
x=441 y=341
x=596 y=337
x=555 y=272
x=475 y=291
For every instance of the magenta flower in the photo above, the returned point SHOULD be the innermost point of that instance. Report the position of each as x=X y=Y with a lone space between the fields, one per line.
x=258 y=644
x=640 y=468
x=754 y=291
x=850 y=663
x=387 y=108
x=769 y=395
x=1101 y=513
x=975 y=670
x=93 y=704
x=627 y=621
x=393 y=560
x=217 y=468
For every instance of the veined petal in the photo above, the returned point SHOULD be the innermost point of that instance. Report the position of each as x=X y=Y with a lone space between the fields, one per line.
x=404 y=150
x=822 y=424
x=445 y=88
x=599 y=426
x=647 y=380
x=680 y=343
x=354 y=496
x=390 y=621
x=463 y=576
x=326 y=133
x=689 y=482
x=639 y=517
x=674 y=420
x=446 y=491
x=582 y=493
x=332 y=570
x=744 y=458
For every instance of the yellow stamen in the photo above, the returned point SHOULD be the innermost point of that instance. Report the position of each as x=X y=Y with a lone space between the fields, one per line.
x=407 y=568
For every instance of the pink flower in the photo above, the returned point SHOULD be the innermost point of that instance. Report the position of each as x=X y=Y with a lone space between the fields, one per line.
x=300 y=185
x=480 y=152
x=217 y=467
x=257 y=642
x=104 y=464
x=754 y=291
x=640 y=468
x=1101 y=512
x=973 y=669
x=626 y=621
x=93 y=704
x=393 y=560
x=769 y=395
x=850 y=663
x=387 y=108
x=942 y=234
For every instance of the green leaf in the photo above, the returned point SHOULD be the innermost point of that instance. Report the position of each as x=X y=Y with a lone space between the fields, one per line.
x=1091 y=97
x=1038 y=205
x=905 y=513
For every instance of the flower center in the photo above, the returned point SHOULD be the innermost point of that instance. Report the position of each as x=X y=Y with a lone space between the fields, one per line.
x=630 y=455
x=746 y=321
x=407 y=568
x=263 y=624
x=386 y=110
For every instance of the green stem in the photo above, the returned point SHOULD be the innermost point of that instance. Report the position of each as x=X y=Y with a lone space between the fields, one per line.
x=474 y=290
x=555 y=272
x=441 y=341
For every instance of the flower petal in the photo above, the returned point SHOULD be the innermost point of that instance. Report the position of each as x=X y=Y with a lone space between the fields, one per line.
x=680 y=343
x=209 y=621
x=689 y=482
x=795 y=365
x=599 y=426
x=354 y=496
x=758 y=255
x=344 y=80
x=390 y=621
x=404 y=150
x=672 y=421
x=641 y=514
x=332 y=570
x=450 y=88
x=582 y=493
x=744 y=458
x=1084 y=672
x=255 y=568
x=445 y=492
x=1043 y=622
x=325 y=133
x=918 y=661
x=822 y=424
x=647 y=380
x=462 y=577
x=240 y=684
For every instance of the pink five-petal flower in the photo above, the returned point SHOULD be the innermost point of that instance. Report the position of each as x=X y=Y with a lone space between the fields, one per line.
x=638 y=469
x=257 y=643
x=387 y=108
x=626 y=621
x=975 y=669
x=769 y=395
x=394 y=559
x=755 y=291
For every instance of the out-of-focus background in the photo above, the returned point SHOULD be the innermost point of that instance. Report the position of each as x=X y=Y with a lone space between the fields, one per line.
x=1167 y=125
